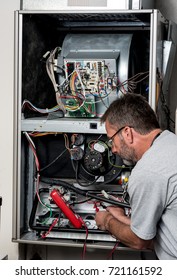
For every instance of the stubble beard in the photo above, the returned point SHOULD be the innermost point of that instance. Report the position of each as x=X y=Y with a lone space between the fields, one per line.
x=126 y=153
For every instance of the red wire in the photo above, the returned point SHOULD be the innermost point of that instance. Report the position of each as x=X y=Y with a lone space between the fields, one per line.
x=113 y=250
x=84 y=245
x=44 y=235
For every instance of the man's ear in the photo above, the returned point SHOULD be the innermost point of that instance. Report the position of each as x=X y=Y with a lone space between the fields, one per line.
x=128 y=134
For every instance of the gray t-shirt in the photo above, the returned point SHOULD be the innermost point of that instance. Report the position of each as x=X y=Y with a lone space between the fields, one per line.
x=153 y=196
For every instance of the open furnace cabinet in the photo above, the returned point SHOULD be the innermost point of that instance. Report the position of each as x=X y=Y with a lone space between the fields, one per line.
x=70 y=65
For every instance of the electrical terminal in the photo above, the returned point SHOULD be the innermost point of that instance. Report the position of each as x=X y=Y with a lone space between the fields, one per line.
x=46 y=55
x=105 y=194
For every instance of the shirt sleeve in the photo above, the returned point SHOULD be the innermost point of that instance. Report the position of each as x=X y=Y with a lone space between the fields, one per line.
x=147 y=199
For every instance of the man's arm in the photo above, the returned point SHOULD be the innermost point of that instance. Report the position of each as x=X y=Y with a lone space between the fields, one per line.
x=122 y=231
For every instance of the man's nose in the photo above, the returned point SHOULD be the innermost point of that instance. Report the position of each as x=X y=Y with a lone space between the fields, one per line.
x=113 y=149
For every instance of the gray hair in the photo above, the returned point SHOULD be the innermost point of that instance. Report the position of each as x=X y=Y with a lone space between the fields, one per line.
x=131 y=110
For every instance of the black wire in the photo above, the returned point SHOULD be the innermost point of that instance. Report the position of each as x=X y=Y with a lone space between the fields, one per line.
x=110 y=201
x=80 y=202
x=47 y=166
x=81 y=184
x=83 y=192
x=80 y=175
x=56 y=181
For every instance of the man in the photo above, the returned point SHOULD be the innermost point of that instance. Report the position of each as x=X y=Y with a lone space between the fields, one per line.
x=135 y=135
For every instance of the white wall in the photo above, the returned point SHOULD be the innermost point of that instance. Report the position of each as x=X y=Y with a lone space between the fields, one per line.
x=6 y=125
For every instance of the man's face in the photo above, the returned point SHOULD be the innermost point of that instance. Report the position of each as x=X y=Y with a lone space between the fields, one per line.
x=120 y=145
x=125 y=152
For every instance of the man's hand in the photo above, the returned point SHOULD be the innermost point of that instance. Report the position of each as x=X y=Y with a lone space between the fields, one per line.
x=110 y=220
x=102 y=219
x=119 y=214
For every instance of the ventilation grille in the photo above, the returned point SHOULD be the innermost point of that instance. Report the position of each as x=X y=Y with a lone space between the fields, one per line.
x=137 y=19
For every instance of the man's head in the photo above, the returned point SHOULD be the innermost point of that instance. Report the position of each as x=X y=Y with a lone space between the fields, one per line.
x=131 y=110
x=128 y=120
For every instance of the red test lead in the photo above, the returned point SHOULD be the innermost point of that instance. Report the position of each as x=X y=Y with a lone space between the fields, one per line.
x=68 y=212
